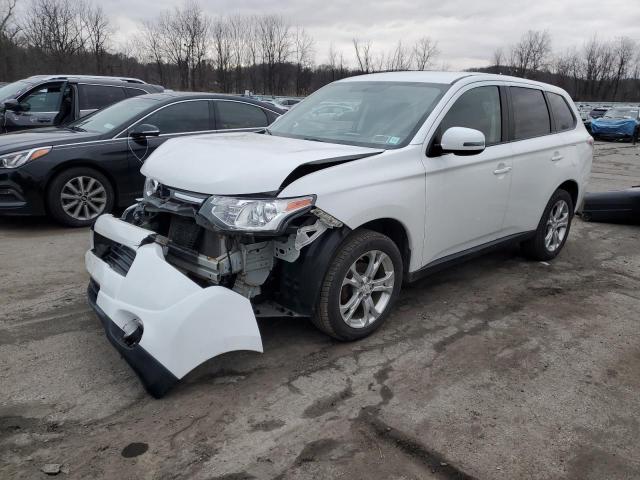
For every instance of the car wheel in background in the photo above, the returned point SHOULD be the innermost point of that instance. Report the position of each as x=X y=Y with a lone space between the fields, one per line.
x=361 y=285
x=553 y=229
x=77 y=196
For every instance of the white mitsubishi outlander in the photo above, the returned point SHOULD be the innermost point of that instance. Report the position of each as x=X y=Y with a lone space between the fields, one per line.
x=371 y=182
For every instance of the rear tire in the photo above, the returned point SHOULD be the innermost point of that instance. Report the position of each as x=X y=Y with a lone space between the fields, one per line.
x=360 y=287
x=553 y=229
x=77 y=196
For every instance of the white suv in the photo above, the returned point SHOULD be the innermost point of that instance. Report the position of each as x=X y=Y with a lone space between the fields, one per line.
x=326 y=216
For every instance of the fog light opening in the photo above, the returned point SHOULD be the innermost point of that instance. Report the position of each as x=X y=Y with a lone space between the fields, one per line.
x=132 y=332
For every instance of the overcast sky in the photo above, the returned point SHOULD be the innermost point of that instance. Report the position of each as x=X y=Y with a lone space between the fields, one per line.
x=467 y=31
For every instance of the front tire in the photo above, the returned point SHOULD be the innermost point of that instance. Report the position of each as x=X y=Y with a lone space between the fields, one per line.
x=77 y=196
x=360 y=287
x=553 y=229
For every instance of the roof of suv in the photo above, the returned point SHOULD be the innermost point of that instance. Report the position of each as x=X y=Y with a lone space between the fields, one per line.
x=443 y=78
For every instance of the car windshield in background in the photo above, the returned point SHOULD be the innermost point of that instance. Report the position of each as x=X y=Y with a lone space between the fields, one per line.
x=115 y=116
x=13 y=90
x=622 y=113
x=371 y=114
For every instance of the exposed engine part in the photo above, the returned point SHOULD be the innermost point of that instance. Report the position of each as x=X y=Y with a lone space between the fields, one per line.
x=309 y=233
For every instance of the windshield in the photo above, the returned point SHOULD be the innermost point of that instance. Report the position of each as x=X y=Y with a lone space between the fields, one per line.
x=371 y=114
x=110 y=118
x=622 y=113
x=13 y=90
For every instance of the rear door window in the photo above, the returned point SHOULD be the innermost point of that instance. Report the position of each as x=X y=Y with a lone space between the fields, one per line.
x=530 y=113
x=478 y=109
x=562 y=114
x=183 y=117
x=94 y=97
x=239 y=115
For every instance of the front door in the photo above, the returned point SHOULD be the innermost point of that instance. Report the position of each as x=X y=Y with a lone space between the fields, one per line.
x=43 y=104
x=466 y=195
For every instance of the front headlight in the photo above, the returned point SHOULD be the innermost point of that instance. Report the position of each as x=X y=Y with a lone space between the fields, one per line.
x=253 y=214
x=16 y=159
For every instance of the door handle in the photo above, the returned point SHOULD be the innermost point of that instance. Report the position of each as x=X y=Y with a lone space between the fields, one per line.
x=556 y=157
x=42 y=120
x=502 y=171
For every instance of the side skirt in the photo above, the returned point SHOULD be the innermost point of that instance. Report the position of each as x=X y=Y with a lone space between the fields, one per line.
x=473 y=252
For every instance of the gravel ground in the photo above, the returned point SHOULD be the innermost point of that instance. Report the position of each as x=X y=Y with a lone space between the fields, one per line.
x=496 y=369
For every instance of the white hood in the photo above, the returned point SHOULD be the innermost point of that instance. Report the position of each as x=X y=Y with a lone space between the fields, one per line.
x=238 y=163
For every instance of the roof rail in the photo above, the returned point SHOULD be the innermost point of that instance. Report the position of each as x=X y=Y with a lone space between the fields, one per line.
x=89 y=77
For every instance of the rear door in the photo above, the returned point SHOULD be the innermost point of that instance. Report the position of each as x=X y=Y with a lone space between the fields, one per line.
x=466 y=195
x=236 y=115
x=543 y=151
x=94 y=97
x=185 y=117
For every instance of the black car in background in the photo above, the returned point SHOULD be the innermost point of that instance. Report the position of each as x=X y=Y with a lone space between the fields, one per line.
x=55 y=100
x=80 y=171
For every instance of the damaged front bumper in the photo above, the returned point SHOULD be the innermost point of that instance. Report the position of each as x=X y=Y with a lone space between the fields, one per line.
x=163 y=323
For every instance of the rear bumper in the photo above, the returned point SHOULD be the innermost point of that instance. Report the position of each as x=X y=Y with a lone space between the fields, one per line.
x=622 y=206
x=183 y=324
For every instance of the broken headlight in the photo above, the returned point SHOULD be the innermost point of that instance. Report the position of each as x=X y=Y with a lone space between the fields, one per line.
x=150 y=187
x=253 y=214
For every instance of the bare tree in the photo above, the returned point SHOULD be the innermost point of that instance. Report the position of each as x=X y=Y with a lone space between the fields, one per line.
x=425 y=52
x=275 y=46
x=400 y=58
x=7 y=14
x=303 y=55
x=150 y=47
x=98 y=31
x=531 y=53
x=624 y=50
x=498 y=57
x=222 y=52
x=363 y=55
x=239 y=36
x=56 y=27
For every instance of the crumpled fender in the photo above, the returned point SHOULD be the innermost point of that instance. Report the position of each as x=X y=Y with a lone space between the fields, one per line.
x=184 y=324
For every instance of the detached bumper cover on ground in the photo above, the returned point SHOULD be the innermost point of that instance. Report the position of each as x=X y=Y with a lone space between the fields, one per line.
x=621 y=206
x=182 y=324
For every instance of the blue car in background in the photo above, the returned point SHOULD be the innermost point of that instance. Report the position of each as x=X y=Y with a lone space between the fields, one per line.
x=617 y=123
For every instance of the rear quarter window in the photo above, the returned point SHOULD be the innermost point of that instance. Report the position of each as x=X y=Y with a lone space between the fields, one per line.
x=530 y=113
x=562 y=114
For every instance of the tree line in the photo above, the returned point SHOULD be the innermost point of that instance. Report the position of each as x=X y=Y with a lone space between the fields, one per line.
x=185 y=48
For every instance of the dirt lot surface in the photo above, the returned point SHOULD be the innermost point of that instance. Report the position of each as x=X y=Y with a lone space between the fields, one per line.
x=497 y=369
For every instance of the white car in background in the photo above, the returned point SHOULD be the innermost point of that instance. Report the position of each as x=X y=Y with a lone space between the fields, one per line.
x=327 y=217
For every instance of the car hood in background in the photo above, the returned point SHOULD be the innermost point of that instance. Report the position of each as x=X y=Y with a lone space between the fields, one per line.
x=42 y=137
x=617 y=126
x=242 y=163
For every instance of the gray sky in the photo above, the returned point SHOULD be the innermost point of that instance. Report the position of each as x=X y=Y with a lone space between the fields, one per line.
x=467 y=31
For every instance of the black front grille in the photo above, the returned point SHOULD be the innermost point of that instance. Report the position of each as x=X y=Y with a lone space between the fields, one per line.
x=119 y=257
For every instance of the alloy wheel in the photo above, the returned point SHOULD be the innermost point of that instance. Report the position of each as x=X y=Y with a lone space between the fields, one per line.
x=83 y=198
x=366 y=289
x=557 y=225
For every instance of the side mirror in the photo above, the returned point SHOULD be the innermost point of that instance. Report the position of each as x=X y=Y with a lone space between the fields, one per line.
x=15 y=106
x=462 y=141
x=143 y=131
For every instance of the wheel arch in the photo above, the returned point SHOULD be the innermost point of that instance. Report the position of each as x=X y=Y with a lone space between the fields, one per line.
x=61 y=167
x=573 y=189
x=397 y=232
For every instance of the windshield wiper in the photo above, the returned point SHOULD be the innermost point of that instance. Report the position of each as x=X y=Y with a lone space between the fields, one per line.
x=74 y=128
x=313 y=139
